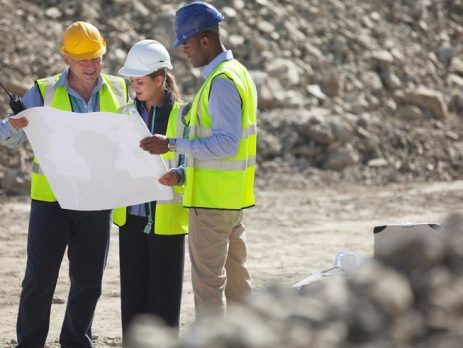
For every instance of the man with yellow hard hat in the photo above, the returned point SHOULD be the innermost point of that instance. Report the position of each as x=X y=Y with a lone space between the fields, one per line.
x=80 y=88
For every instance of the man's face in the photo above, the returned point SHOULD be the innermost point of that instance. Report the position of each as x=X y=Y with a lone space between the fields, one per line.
x=196 y=52
x=86 y=70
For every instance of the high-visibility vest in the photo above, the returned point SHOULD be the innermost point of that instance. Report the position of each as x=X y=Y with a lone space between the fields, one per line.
x=170 y=216
x=223 y=183
x=113 y=95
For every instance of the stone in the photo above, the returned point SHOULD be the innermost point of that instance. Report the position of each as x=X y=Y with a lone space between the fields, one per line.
x=409 y=113
x=340 y=158
x=333 y=85
x=427 y=99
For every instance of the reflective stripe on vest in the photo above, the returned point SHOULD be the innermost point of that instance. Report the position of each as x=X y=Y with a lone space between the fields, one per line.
x=224 y=183
x=221 y=165
x=58 y=97
x=119 y=93
x=201 y=132
x=170 y=217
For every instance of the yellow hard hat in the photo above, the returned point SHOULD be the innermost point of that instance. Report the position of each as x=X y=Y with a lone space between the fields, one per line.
x=82 y=40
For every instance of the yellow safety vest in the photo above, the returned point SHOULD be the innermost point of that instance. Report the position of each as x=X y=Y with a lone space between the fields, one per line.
x=170 y=217
x=223 y=183
x=113 y=95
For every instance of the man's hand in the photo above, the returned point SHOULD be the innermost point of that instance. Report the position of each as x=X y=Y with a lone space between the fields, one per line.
x=171 y=178
x=155 y=145
x=18 y=123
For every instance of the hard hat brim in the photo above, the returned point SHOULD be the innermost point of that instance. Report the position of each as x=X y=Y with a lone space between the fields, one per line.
x=178 y=42
x=139 y=73
x=87 y=55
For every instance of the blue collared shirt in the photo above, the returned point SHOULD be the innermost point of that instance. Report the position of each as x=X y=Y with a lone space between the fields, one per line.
x=225 y=110
x=12 y=138
x=140 y=209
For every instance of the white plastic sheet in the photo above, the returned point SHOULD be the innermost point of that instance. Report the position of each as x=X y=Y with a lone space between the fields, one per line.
x=93 y=161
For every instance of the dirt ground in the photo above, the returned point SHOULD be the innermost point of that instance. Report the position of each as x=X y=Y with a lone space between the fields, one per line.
x=291 y=233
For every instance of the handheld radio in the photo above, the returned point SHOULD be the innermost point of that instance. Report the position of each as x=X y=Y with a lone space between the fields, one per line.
x=16 y=103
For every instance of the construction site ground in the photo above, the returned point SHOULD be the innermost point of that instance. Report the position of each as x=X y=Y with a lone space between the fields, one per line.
x=291 y=233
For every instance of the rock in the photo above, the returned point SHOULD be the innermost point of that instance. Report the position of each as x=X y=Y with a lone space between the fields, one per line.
x=229 y=12
x=383 y=59
x=378 y=162
x=316 y=91
x=446 y=53
x=320 y=133
x=333 y=85
x=285 y=70
x=266 y=27
x=409 y=113
x=236 y=40
x=342 y=131
x=147 y=331
x=340 y=158
x=456 y=66
x=271 y=94
x=455 y=80
x=427 y=99
x=372 y=81
x=53 y=13
x=268 y=145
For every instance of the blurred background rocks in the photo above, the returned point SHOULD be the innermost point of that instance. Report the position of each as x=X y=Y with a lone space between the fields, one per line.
x=359 y=91
x=411 y=297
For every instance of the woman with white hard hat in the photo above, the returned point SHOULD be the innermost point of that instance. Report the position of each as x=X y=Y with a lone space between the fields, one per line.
x=152 y=235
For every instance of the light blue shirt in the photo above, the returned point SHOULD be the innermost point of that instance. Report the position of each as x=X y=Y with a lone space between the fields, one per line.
x=139 y=209
x=12 y=138
x=225 y=110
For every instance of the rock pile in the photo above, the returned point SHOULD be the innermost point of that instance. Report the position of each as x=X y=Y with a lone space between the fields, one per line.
x=412 y=297
x=362 y=90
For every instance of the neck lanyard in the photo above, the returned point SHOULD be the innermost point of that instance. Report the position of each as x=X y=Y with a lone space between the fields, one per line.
x=149 y=206
x=151 y=115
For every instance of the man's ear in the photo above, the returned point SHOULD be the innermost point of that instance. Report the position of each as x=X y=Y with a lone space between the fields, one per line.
x=66 y=60
x=204 y=41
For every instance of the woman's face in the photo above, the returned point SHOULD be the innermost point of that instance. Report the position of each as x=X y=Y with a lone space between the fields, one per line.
x=146 y=88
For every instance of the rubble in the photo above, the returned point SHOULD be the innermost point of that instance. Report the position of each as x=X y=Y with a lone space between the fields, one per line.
x=393 y=72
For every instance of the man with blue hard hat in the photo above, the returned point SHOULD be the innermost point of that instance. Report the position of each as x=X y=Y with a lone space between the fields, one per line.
x=220 y=160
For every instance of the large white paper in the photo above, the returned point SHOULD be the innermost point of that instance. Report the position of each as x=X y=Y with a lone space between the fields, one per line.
x=93 y=161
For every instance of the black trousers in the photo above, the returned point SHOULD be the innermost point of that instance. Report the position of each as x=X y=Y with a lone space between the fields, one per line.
x=51 y=230
x=151 y=269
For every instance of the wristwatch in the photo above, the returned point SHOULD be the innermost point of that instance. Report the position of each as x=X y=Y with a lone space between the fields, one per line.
x=172 y=144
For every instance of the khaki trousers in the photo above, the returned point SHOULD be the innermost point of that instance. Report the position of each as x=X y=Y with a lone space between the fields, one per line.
x=216 y=241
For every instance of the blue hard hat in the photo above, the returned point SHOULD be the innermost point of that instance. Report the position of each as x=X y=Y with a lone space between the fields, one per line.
x=194 y=18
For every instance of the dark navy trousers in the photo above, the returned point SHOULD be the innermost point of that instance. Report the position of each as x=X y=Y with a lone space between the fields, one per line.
x=151 y=269
x=51 y=230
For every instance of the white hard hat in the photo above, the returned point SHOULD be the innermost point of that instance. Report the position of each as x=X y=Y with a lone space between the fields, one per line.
x=145 y=57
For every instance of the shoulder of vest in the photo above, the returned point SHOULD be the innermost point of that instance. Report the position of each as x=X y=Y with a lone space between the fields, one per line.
x=229 y=69
x=45 y=83
x=113 y=78
x=47 y=80
x=118 y=84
